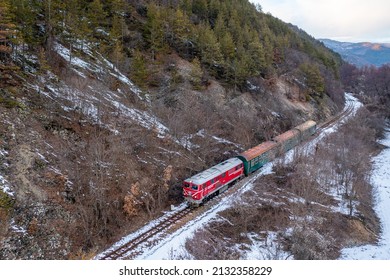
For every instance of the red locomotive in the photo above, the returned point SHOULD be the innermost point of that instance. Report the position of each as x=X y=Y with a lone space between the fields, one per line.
x=203 y=186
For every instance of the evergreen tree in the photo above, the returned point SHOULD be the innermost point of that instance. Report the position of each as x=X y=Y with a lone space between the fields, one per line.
x=117 y=27
x=196 y=74
x=7 y=30
x=314 y=80
x=186 y=7
x=181 y=25
x=220 y=27
x=214 y=9
x=96 y=14
x=154 y=30
x=117 y=54
x=25 y=20
x=209 y=46
x=199 y=7
x=256 y=53
x=139 y=72
x=227 y=46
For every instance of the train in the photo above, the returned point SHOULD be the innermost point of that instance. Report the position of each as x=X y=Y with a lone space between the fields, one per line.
x=205 y=185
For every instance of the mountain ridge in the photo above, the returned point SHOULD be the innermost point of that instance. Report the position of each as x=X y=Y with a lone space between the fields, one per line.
x=361 y=54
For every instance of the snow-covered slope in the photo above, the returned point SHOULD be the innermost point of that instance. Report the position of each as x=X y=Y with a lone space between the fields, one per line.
x=381 y=182
x=173 y=246
x=90 y=94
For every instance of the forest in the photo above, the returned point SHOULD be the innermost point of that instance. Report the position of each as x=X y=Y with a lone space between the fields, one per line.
x=133 y=34
x=373 y=83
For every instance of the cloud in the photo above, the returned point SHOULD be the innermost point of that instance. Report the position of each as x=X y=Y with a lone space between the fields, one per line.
x=354 y=19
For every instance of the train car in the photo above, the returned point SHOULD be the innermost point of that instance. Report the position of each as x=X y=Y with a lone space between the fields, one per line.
x=288 y=140
x=307 y=129
x=256 y=157
x=208 y=183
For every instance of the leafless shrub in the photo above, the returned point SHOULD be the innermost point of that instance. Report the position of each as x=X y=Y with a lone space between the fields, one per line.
x=208 y=246
x=308 y=244
x=131 y=202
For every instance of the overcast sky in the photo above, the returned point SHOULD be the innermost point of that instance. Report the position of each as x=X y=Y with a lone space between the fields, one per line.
x=342 y=20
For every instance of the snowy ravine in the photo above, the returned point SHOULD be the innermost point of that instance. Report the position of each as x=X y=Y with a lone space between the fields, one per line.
x=381 y=183
x=173 y=246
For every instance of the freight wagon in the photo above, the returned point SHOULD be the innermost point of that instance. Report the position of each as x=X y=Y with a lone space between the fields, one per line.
x=288 y=140
x=307 y=129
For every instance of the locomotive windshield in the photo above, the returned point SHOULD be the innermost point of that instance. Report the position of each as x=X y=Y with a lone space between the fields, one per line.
x=190 y=185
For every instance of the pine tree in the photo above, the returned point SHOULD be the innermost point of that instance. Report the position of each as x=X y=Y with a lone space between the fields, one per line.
x=181 y=25
x=214 y=9
x=139 y=72
x=154 y=30
x=7 y=30
x=220 y=27
x=117 y=27
x=96 y=14
x=25 y=21
x=43 y=63
x=314 y=80
x=55 y=17
x=196 y=74
x=186 y=7
x=209 y=46
x=256 y=53
x=227 y=46
x=199 y=7
x=117 y=54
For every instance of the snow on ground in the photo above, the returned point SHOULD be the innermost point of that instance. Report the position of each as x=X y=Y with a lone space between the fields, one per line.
x=173 y=246
x=4 y=185
x=269 y=249
x=381 y=182
x=93 y=100
x=147 y=227
x=79 y=64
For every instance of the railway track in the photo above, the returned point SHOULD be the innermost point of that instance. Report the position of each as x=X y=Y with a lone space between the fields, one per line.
x=125 y=249
x=174 y=221
x=344 y=113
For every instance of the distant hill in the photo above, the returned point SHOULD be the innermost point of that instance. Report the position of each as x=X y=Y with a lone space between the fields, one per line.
x=361 y=54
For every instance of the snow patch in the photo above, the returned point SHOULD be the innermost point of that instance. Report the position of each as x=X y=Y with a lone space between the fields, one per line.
x=381 y=182
x=4 y=185
x=105 y=68
x=16 y=228
x=265 y=248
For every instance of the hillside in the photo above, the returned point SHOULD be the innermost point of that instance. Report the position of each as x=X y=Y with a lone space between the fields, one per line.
x=107 y=105
x=361 y=54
